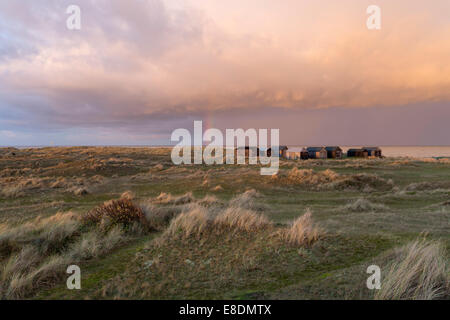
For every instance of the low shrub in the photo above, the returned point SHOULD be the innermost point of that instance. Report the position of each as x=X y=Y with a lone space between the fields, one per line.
x=116 y=212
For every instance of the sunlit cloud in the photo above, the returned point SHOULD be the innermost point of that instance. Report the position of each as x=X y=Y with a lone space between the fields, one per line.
x=152 y=63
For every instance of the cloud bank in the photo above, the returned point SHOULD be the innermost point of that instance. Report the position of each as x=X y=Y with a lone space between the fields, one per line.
x=150 y=65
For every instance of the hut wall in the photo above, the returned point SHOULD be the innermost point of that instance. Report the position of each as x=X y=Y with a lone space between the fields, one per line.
x=293 y=155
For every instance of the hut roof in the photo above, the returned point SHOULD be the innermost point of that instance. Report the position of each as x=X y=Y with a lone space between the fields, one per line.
x=296 y=150
x=371 y=148
x=314 y=149
x=332 y=148
x=356 y=149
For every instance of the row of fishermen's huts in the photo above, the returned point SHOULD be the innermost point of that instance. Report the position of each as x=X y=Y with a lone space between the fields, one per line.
x=329 y=152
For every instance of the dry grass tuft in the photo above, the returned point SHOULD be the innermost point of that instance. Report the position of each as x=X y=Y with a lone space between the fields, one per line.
x=30 y=270
x=422 y=186
x=364 y=205
x=195 y=222
x=167 y=198
x=248 y=200
x=19 y=187
x=128 y=195
x=60 y=183
x=22 y=284
x=80 y=191
x=12 y=191
x=158 y=167
x=46 y=234
x=303 y=232
x=20 y=263
x=434 y=160
x=208 y=201
x=35 y=254
x=163 y=198
x=400 y=162
x=94 y=244
x=184 y=199
x=217 y=188
x=361 y=181
x=310 y=177
x=420 y=272
x=199 y=220
x=159 y=218
x=240 y=219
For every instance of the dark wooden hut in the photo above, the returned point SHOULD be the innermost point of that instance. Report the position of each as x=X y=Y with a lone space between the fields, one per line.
x=317 y=153
x=334 y=152
x=304 y=155
x=373 y=151
x=282 y=150
x=296 y=153
x=357 y=153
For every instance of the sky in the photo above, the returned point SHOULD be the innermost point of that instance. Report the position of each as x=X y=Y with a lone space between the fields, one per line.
x=139 y=69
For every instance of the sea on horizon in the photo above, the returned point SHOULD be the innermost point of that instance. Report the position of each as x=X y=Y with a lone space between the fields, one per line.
x=388 y=151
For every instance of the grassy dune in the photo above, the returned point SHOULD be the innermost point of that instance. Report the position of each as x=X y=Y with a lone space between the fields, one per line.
x=140 y=227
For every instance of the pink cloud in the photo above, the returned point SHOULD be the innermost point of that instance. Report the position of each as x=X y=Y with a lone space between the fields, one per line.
x=147 y=59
